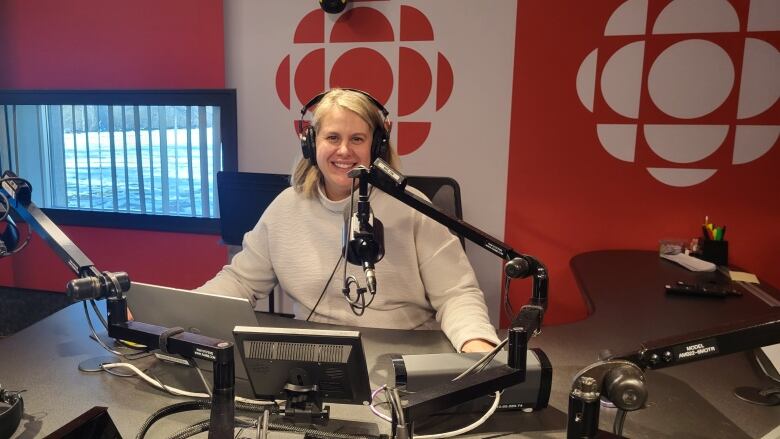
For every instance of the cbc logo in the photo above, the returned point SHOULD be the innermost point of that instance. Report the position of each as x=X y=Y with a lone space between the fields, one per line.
x=691 y=81
x=357 y=48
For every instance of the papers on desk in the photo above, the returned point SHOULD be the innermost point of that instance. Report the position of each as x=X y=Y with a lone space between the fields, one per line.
x=773 y=355
x=689 y=262
x=742 y=276
x=774 y=434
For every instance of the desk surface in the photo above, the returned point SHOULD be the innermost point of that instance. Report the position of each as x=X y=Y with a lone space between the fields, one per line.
x=625 y=290
x=687 y=401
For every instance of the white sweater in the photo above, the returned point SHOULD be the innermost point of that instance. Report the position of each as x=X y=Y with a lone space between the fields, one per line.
x=424 y=280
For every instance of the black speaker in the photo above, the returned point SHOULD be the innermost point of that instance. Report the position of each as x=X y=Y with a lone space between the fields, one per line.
x=379 y=141
x=11 y=410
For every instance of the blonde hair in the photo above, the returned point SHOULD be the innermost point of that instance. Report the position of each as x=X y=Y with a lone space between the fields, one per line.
x=305 y=176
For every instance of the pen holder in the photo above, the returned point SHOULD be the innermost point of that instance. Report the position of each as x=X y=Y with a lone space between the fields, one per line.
x=716 y=252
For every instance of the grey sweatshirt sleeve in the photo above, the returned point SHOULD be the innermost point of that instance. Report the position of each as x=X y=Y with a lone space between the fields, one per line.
x=250 y=274
x=451 y=285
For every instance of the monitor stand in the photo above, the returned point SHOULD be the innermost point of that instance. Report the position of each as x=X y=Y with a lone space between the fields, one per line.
x=304 y=409
x=304 y=405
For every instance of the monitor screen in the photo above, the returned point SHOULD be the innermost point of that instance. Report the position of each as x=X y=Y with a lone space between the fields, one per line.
x=294 y=358
x=243 y=197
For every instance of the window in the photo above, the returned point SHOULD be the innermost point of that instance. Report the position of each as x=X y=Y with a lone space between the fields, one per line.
x=139 y=159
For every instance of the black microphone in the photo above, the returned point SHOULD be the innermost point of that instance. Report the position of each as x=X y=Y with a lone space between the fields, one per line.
x=93 y=287
x=9 y=239
x=364 y=247
x=363 y=238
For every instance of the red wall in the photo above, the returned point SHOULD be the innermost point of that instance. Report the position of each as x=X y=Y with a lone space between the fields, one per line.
x=148 y=44
x=567 y=195
x=112 y=44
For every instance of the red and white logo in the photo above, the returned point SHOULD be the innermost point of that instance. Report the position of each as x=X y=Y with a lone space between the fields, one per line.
x=359 y=51
x=445 y=78
x=688 y=88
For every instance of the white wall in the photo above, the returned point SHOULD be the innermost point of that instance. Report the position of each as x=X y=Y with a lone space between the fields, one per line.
x=469 y=138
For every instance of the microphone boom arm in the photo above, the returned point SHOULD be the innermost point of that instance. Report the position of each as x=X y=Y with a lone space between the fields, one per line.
x=526 y=324
x=621 y=377
x=382 y=176
x=93 y=284
x=19 y=197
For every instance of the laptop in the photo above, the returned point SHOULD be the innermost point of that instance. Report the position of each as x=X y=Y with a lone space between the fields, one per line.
x=210 y=315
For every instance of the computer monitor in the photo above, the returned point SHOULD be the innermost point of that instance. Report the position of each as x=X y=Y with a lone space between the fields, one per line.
x=279 y=360
x=243 y=197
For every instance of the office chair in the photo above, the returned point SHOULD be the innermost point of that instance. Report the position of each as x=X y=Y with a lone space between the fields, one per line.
x=243 y=197
x=444 y=193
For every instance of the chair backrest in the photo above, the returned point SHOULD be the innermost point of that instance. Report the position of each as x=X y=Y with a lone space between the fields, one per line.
x=444 y=193
x=243 y=197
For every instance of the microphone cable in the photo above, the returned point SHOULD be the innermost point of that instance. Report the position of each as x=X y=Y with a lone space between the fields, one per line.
x=358 y=305
x=357 y=309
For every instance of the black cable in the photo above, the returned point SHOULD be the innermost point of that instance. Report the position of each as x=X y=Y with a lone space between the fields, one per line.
x=240 y=406
x=169 y=410
x=620 y=418
x=357 y=305
x=357 y=308
x=510 y=312
x=21 y=246
x=480 y=364
x=189 y=406
x=325 y=288
x=191 y=430
x=200 y=427
x=6 y=206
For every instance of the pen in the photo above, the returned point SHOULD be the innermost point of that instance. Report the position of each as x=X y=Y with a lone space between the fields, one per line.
x=723 y=233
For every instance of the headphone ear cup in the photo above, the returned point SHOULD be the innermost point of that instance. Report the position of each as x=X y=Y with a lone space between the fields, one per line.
x=309 y=145
x=379 y=143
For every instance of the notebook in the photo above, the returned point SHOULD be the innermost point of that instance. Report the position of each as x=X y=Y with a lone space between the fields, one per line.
x=200 y=313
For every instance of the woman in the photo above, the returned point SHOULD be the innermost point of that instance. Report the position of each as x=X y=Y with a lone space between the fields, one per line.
x=424 y=280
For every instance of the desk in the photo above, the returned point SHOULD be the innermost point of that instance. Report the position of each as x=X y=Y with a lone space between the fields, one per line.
x=624 y=291
x=628 y=304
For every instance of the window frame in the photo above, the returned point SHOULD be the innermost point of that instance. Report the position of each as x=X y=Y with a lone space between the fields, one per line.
x=225 y=99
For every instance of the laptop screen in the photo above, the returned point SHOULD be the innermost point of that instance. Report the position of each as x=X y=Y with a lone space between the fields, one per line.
x=200 y=313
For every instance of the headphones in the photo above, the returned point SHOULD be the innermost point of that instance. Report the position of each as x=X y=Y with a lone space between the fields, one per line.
x=10 y=418
x=379 y=140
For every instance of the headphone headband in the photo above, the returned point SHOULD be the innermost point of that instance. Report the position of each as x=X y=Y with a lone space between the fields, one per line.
x=380 y=137
x=316 y=99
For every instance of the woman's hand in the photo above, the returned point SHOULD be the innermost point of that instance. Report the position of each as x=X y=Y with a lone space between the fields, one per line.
x=477 y=345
